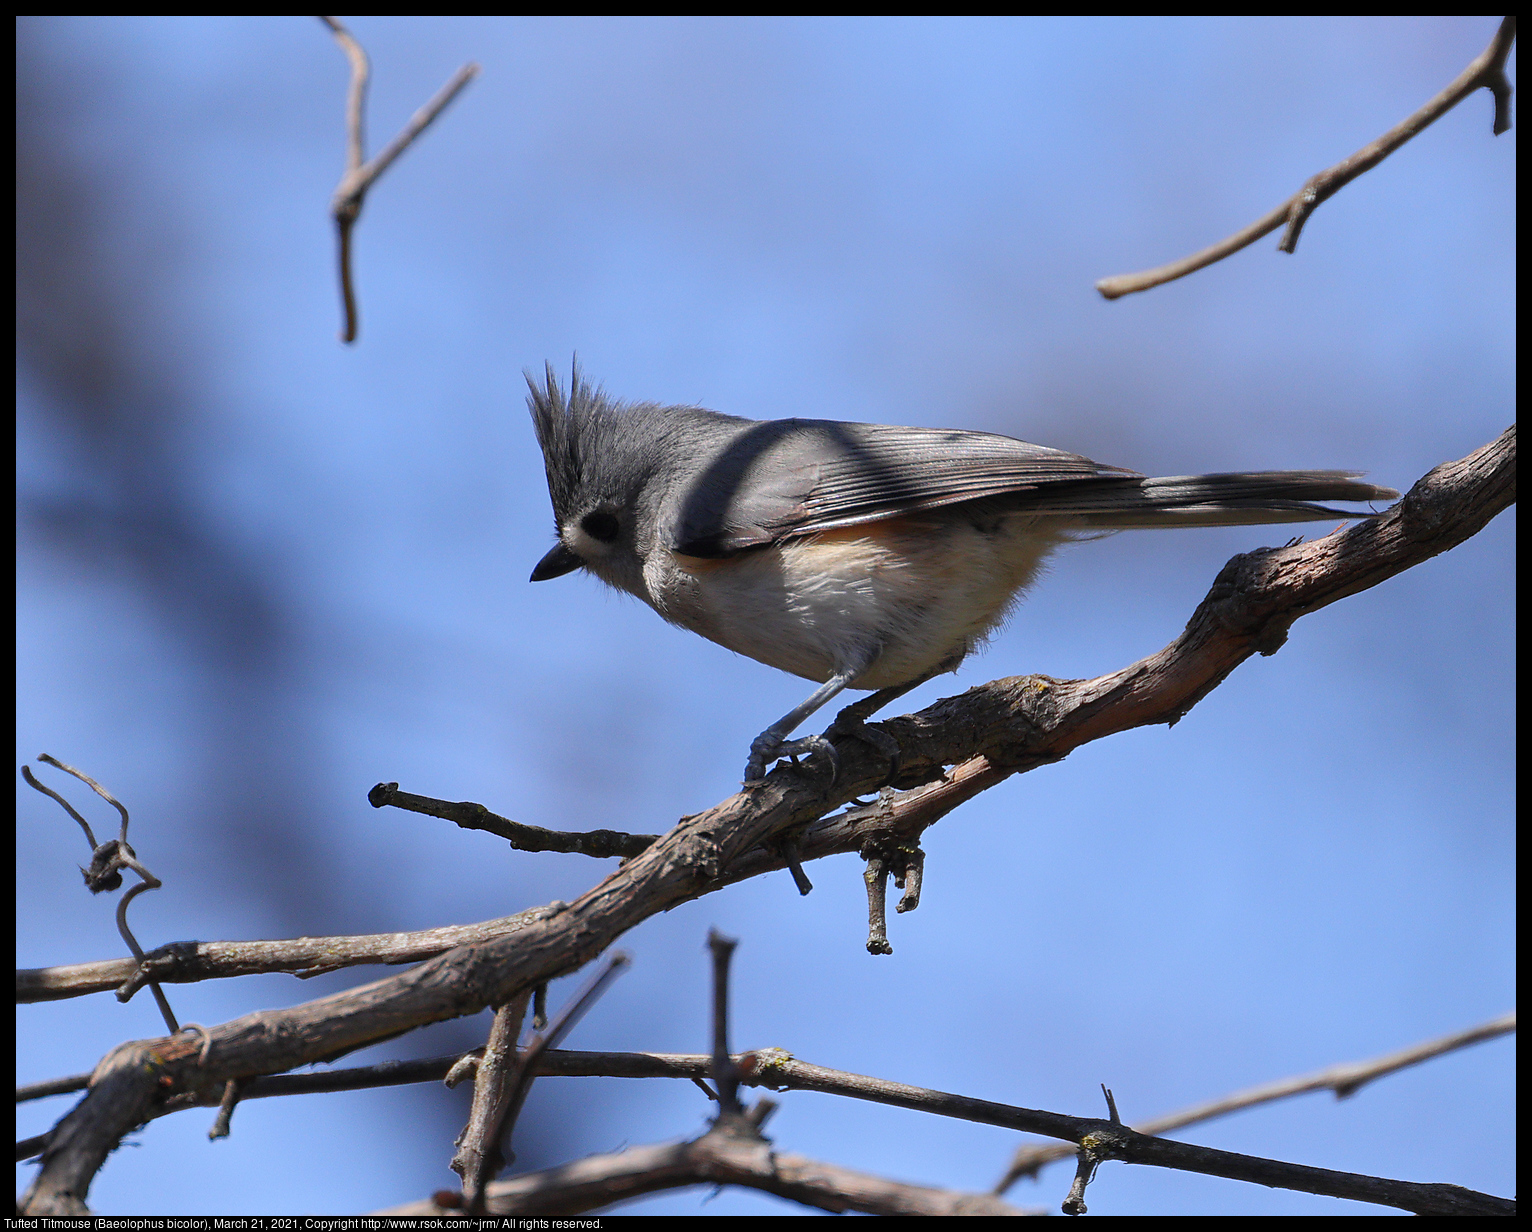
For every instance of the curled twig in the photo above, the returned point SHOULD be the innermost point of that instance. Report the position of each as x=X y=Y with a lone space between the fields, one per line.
x=107 y=861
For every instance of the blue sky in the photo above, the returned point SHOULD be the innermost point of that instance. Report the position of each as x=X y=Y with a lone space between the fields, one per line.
x=260 y=572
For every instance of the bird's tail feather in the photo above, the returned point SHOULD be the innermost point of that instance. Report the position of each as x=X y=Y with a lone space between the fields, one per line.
x=1241 y=498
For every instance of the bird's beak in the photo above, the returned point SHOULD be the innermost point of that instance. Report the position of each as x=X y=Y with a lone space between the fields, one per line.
x=556 y=564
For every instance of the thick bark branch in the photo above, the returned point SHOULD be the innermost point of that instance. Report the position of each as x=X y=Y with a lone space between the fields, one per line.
x=1008 y=726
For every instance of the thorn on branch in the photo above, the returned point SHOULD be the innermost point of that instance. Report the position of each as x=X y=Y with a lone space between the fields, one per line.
x=794 y=859
x=1111 y=1105
x=760 y=1112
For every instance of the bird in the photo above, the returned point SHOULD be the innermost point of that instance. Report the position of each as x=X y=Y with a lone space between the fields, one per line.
x=855 y=555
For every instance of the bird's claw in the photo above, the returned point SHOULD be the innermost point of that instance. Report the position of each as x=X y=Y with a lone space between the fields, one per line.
x=768 y=748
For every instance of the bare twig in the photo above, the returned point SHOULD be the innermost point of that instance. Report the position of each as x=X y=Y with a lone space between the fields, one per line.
x=31 y=1148
x=1345 y=1079
x=346 y=205
x=1085 y=1173
x=780 y=1071
x=1010 y=725
x=188 y=962
x=556 y=1032
x=470 y=816
x=564 y=1189
x=724 y=1072
x=1486 y=72
x=53 y=1086
x=717 y=1159
x=503 y=1078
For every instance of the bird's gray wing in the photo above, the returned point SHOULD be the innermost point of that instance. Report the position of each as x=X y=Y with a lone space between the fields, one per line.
x=784 y=478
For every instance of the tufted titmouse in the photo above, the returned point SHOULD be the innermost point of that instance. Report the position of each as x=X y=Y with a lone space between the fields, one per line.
x=859 y=555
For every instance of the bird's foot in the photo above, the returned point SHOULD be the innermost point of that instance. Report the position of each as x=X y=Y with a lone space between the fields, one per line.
x=849 y=723
x=769 y=748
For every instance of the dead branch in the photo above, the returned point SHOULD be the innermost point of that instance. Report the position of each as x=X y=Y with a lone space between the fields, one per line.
x=717 y=1159
x=598 y=843
x=1344 y=1079
x=1486 y=72
x=780 y=1071
x=569 y=1189
x=1009 y=726
x=188 y=962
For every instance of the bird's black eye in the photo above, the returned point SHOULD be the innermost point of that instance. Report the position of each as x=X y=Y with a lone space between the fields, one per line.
x=600 y=526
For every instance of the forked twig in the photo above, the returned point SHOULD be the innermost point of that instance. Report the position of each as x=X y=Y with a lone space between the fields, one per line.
x=346 y=205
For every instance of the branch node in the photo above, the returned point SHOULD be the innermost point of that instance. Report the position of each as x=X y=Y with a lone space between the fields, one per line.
x=466 y=1066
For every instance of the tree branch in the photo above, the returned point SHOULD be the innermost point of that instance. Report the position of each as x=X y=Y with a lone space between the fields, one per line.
x=1345 y=1080
x=188 y=962
x=717 y=1158
x=780 y=1071
x=598 y=843
x=1009 y=725
x=1486 y=72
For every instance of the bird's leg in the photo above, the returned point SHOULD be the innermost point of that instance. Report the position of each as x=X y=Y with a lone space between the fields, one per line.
x=852 y=721
x=772 y=743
